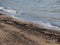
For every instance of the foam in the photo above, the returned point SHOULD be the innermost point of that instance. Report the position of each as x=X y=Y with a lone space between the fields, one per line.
x=49 y=26
x=1 y=7
x=7 y=11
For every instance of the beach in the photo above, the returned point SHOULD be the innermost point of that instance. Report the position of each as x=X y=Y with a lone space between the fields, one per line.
x=16 y=32
x=29 y=22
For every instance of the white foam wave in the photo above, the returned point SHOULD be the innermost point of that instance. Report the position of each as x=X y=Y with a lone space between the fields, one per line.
x=7 y=11
x=47 y=25
x=1 y=7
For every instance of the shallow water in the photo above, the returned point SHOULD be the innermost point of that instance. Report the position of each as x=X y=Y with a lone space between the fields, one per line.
x=46 y=11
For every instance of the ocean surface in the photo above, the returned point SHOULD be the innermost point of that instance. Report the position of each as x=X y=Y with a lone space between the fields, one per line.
x=45 y=12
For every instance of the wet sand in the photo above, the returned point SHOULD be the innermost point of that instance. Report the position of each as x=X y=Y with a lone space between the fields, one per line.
x=15 y=32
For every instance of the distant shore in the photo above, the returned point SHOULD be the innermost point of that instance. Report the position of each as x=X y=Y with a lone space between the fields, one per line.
x=15 y=32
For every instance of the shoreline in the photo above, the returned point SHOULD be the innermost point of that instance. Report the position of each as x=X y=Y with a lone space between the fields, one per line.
x=15 y=32
x=47 y=25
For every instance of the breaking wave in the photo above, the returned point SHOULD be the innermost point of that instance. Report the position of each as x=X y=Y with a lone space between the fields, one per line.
x=24 y=16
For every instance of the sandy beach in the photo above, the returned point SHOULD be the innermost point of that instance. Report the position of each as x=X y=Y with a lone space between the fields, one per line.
x=15 y=32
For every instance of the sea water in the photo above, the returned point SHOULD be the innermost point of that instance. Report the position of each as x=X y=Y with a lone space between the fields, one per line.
x=45 y=12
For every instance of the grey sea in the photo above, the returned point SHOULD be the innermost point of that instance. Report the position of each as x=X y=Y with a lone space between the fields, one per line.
x=46 y=11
